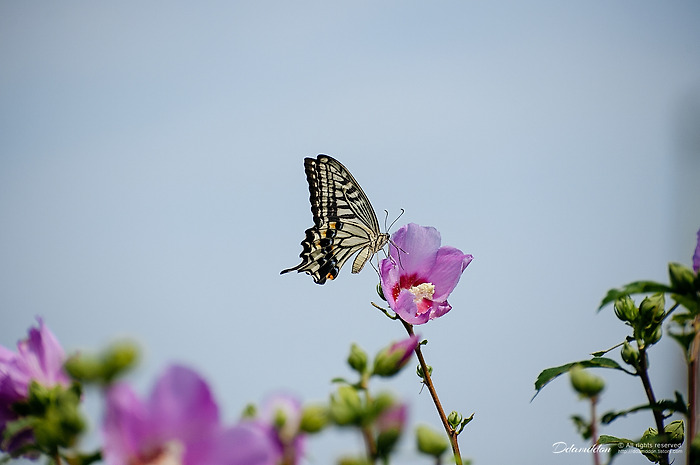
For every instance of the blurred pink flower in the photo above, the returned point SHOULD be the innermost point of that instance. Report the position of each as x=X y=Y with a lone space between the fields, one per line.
x=178 y=425
x=39 y=358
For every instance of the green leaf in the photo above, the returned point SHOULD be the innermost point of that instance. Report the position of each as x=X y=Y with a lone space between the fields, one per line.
x=549 y=374
x=689 y=301
x=673 y=406
x=637 y=287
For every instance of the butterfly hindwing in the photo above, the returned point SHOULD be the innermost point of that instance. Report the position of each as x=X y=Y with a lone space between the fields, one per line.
x=344 y=222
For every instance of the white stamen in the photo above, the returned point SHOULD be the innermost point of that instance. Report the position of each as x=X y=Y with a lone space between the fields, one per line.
x=423 y=291
x=172 y=454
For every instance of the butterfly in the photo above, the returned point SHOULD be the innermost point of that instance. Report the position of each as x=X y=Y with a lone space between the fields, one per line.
x=344 y=222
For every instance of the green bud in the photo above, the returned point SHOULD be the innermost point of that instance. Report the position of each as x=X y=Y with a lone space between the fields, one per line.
x=454 y=419
x=357 y=358
x=386 y=441
x=625 y=309
x=391 y=359
x=630 y=354
x=105 y=368
x=419 y=371
x=675 y=431
x=119 y=358
x=652 y=335
x=84 y=367
x=682 y=278
x=585 y=383
x=652 y=308
x=249 y=411
x=313 y=418
x=354 y=461
x=346 y=406
x=431 y=442
x=382 y=402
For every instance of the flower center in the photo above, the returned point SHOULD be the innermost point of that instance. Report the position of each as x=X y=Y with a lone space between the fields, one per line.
x=171 y=453
x=422 y=291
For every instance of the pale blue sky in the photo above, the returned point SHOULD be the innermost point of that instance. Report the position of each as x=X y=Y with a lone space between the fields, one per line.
x=152 y=186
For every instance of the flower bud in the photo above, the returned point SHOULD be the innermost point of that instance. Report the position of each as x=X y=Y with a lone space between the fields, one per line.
x=390 y=424
x=391 y=359
x=346 y=406
x=630 y=354
x=681 y=278
x=357 y=358
x=313 y=418
x=119 y=358
x=419 y=371
x=652 y=308
x=625 y=309
x=585 y=383
x=652 y=335
x=454 y=419
x=431 y=442
x=112 y=363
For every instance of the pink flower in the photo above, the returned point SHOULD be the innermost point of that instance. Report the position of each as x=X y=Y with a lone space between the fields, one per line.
x=419 y=275
x=178 y=425
x=38 y=358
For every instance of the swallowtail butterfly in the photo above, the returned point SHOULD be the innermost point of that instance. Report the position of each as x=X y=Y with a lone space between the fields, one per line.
x=344 y=222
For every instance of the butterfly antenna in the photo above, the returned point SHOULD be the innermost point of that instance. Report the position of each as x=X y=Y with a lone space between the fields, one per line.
x=397 y=219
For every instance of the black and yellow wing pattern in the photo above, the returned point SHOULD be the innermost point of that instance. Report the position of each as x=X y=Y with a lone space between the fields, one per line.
x=344 y=222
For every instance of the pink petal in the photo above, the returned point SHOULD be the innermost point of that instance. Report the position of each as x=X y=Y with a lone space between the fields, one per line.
x=248 y=443
x=126 y=428
x=449 y=265
x=407 y=309
x=182 y=406
x=419 y=245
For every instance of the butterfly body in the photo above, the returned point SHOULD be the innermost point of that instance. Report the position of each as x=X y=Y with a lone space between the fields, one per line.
x=344 y=222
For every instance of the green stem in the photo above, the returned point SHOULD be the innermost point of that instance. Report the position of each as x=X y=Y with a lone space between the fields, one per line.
x=594 y=430
x=692 y=384
x=367 y=435
x=642 y=370
x=451 y=432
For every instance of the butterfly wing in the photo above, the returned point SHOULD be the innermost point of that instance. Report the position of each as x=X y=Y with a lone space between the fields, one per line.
x=344 y=222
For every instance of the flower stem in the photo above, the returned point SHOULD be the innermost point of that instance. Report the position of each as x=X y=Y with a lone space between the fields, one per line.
x=370 y=444
x=594 y=431
x=658 y=414
x=451 y=432
x=692 y=384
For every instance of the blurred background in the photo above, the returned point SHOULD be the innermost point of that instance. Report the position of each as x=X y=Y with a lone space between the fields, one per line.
x=152 y=187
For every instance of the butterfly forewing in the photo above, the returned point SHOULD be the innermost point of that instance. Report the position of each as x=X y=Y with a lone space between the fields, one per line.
x=344 y=222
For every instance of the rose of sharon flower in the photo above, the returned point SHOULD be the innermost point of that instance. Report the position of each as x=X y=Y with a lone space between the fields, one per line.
x=179 y=425
x=419 y=275
x=38 y=358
